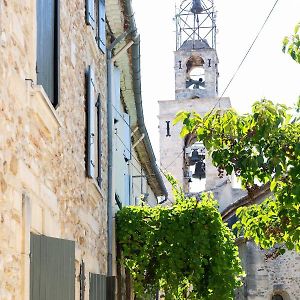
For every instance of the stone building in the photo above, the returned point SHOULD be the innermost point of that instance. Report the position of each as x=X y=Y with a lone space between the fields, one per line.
x=72 y=144
x=196 y=89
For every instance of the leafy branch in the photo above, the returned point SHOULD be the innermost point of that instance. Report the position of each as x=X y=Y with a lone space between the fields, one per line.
x=264 y=147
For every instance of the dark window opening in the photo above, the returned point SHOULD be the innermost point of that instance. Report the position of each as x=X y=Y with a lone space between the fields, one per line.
x=277 y=297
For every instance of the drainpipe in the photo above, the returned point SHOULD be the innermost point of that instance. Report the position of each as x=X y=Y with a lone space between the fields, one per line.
x=110 y=193
x=111 y=188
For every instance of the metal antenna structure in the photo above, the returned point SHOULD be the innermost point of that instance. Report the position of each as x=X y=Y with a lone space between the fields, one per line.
x=196 y=21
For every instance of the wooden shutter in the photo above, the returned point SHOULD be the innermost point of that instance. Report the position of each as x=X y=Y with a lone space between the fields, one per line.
x=90 y=13
x=127 y=136
x=52 y=268
x=97 y=287
x=99 y=140
x=47 y=66
x=101 y=26
x=90 y=108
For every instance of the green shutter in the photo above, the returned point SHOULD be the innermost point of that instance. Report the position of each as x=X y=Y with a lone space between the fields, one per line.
x=97 y=287
x=52 y=268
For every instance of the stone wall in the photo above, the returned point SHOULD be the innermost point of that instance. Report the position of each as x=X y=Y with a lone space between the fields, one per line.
x=43 y=186
x=266 y=277
x=172 y=147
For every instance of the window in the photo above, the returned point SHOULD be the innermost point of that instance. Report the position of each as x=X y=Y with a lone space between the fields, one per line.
x=94 y=124
x=194 y=171
x=47 y=67
x=195 y=73
x=95 y=17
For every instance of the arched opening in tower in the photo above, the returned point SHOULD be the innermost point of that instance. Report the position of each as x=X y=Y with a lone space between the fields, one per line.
x=194 y=173
x=195 y=73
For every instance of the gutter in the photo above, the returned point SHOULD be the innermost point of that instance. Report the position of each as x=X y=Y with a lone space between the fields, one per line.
x=138 y=95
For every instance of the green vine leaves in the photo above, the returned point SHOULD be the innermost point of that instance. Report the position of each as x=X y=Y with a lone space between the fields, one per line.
x=184 y=250
x=291 y=45
x=260 y=147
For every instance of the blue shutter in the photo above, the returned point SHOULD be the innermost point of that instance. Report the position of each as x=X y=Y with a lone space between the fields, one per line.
x=99 y=125
x=117 y=96
x=101 y=24
x=127 y=137
x=90 y=13
x=90 y=123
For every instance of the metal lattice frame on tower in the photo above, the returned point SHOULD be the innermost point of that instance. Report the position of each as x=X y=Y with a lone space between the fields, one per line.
x=196 y=21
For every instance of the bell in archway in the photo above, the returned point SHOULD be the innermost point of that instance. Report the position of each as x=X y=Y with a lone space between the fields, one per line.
x=197 y=7
x=199 y=170
x=194 y=158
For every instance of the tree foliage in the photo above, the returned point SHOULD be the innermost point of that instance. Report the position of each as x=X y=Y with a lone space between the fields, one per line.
x=185 y=250
x=260 y=147
x=291 y=45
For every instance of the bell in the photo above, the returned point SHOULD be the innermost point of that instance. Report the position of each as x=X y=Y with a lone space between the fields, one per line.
x=194 y=158
x=196 y=7
x=199 y=170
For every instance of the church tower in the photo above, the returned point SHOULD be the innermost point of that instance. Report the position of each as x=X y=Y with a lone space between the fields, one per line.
x=196 y=89
x=196 y=61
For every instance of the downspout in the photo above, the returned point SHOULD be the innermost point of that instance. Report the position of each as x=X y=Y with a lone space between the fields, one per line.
x=110 y=163
x=138 y=96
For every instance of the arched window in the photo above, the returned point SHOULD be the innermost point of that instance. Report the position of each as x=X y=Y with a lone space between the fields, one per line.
x=277 y=297
x=195 y=73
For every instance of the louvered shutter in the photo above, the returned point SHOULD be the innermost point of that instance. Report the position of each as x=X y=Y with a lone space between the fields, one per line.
x=117 y=100
x=52 y=268
x=90 y=13
x=97 y=287
x=127 y=136
x=90 y=108
x=101 y=24
x=99 y=125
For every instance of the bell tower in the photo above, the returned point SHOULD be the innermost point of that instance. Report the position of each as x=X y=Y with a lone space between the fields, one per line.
x=196 y=89
x=196 y=61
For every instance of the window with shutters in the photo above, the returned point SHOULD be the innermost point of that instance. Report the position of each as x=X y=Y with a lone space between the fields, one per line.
x=94 y=124
x=95 y=17
x=47 y=62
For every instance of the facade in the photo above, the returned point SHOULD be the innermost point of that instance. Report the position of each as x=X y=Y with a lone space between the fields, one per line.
x=196 y=89
x=63 y=69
